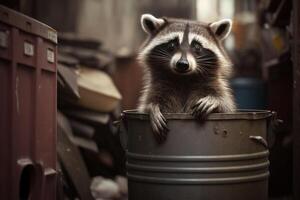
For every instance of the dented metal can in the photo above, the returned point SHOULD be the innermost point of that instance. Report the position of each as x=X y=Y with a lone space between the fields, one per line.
x=224 y=157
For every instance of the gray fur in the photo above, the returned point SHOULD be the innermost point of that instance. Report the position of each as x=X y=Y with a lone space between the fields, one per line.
x=197 y=93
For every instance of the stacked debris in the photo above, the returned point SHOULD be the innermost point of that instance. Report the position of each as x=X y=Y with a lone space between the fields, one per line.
x=88 y=103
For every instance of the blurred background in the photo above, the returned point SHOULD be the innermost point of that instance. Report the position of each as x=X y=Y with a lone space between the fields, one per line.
x=98 y=77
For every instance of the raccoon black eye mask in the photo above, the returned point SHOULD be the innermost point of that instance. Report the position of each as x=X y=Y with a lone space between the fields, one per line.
x=186 y=69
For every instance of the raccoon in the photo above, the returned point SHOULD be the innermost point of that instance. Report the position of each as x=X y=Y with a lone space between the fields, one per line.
x=186 y=69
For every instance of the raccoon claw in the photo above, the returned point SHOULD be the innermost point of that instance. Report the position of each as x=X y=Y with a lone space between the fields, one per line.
x=159 y=126
x=204 y=107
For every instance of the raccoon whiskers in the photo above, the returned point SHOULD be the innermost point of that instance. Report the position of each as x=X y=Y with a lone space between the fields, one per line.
x=202 y=70
x=209 y=64
x=161 y=58
x=207 y=60
x=157 y=60
x=204 y=58
x=161 y=53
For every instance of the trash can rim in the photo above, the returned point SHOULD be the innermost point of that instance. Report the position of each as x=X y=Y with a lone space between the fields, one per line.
x=249 y=114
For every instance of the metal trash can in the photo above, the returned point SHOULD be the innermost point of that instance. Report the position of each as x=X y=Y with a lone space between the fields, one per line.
x=225 y=157
x=27 y=108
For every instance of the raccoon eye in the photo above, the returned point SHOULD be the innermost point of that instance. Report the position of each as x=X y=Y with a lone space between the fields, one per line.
x=172 y=45
x=197 y=47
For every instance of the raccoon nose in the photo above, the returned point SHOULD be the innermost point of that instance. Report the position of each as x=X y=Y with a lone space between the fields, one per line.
x=182 y=65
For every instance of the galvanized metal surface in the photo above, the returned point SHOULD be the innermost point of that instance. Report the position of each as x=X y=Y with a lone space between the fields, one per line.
x=27 y=108
x=225 y=157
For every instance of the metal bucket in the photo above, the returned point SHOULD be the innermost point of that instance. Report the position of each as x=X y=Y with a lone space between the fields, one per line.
x=225 y=157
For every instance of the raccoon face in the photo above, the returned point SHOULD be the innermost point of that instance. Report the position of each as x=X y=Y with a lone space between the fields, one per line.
x=185 y=47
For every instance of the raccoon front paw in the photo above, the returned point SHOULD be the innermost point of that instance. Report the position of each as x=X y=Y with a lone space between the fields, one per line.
x=204 y=107
x=158 y=124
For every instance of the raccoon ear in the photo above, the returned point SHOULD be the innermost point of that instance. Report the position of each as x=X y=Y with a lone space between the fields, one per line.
x=221 y=28
x=150 y=24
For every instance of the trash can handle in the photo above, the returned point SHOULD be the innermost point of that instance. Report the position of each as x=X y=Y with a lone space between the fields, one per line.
x=123 y=131
x=259 y=139
x=272 y=125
